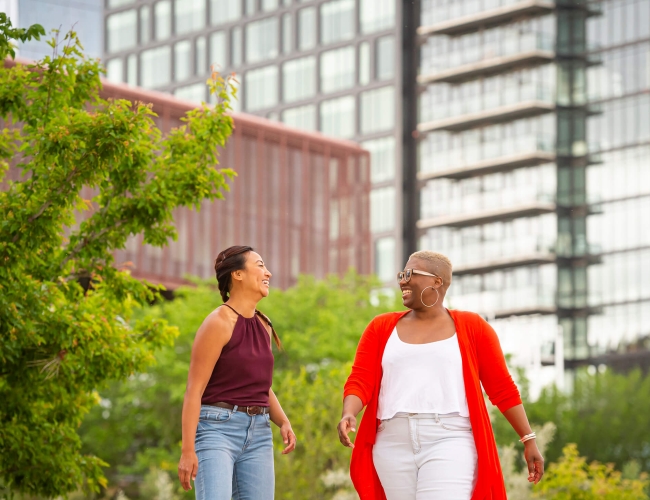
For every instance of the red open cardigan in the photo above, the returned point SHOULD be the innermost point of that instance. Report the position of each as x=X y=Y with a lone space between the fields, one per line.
x=483 y=363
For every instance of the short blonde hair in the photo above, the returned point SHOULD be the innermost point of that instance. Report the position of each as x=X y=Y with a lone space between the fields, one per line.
x=440 y=263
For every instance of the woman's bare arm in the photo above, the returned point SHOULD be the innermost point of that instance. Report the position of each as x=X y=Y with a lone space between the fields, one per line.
x=519 y=421
x=212 y=335
x=279 y=418
x=352 y=406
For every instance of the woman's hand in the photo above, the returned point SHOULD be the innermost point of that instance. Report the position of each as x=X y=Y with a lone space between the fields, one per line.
x=188 y=466
x=534 y=460
x=347 y=424
x=288 y=438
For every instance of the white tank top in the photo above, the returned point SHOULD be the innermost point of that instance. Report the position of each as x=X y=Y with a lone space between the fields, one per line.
x=422 y=378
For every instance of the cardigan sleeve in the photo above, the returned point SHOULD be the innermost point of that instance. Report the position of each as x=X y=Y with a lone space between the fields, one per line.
x=493 y=372
x=363 y=378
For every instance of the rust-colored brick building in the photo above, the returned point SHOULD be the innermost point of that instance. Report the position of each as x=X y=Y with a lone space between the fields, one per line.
x=300 y=198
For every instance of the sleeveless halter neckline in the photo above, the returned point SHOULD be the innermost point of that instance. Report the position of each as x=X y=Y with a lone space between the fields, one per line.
x=237 y=313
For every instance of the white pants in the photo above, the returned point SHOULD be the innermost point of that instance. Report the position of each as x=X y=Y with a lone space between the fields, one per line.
x=426 y=456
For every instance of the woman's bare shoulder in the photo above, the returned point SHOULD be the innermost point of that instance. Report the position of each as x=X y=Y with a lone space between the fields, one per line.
x=219 y=323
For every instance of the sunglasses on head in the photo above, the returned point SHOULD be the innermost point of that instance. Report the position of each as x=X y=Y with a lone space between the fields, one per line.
x=407 y=273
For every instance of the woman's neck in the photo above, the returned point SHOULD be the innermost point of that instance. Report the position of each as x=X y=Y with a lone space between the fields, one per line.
x=430 y=313
x=243 y=305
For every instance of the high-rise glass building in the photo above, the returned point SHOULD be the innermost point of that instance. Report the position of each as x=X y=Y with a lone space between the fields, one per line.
x=534 y=170
x=84 y=16
x=326 y=65
x=512 y=135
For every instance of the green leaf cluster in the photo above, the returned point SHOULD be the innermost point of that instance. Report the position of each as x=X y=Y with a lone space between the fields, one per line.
x=87 y=175
x=572 y=478
x=606 y=414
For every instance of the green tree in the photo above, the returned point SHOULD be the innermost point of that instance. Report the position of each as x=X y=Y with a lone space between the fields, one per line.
x=59 y=340
x=607 y=415
x=137 y=425
x=572 y=478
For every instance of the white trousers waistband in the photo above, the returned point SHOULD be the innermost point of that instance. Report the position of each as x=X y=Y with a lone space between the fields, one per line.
x=426 y=457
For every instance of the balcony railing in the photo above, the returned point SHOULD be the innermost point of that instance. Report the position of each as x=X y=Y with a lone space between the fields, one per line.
x=500 y=254
x=542 y=205
x=485 y=101
x=464 y=15
x=434 y=206
x=507 y=302
x=504 y=105
x=489 y=58
x=487 y=157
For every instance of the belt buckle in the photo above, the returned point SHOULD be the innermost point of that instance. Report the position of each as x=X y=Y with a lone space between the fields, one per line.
x=256 y=411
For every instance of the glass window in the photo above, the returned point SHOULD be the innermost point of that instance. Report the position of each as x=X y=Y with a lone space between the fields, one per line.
x=200 y=57
x=385 y=259
x=337 y=20
x=337 y=117
x=115 y=70
x=269 y=5
x=382 y=209
x=337 y=69
x=112 y=4
x=145 y=24
x=385 y=58
x=182 y=60
x=250 y=7
x=287 y=34
x=195 y=92
x=299 y=79
x=364 y=63
x=377 y=15
x=218 y=50
x=132 y=70
x=307 y=28
x=235 y=47
x=382 y=158
x=155 y=67
x=224 y=11
x=303 y=117
x=121 y=31
x=163 y=18
x=377 y=110
x=261 y=88
x=189 y=15
x=262 y=40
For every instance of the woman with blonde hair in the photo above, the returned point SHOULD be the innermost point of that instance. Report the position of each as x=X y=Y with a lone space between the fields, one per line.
x=426 y=432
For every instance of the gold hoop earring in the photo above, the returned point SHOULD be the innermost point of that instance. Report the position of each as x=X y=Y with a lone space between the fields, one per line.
x=422 y=293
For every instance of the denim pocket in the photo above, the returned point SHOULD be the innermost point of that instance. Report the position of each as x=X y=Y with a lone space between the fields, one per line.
x=267 y=418
x=215 y=416
x=456 y=424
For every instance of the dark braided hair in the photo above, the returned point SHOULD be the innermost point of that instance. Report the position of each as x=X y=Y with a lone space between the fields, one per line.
x=230 y=260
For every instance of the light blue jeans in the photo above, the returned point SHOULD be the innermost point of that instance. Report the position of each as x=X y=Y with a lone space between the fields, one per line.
x=235 y=454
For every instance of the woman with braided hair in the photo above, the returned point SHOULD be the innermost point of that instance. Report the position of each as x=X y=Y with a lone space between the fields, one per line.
x=229 y=404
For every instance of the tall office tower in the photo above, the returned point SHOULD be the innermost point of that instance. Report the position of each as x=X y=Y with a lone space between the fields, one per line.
x=84 y=16
x=534 y=164
x=503 y=166
x=326 y=65
x=620 y=285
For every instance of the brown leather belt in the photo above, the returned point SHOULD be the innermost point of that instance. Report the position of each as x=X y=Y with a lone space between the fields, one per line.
x=249 y=410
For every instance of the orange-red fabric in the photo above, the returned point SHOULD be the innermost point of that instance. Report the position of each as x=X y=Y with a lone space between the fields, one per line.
x=483 y=363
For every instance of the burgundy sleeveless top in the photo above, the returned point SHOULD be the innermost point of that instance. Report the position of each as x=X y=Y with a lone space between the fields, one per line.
x=243 y=373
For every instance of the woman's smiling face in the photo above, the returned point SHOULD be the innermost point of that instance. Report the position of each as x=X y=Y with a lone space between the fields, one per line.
x=419 y=286
x=256 y=275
